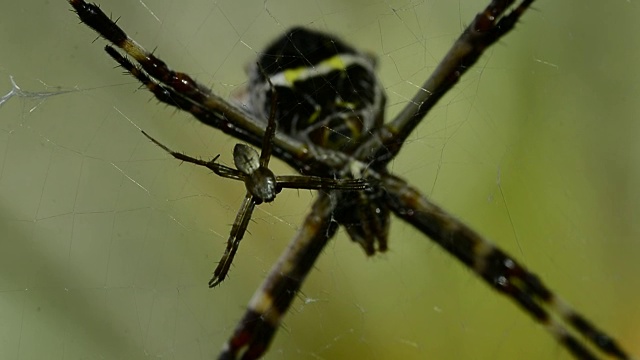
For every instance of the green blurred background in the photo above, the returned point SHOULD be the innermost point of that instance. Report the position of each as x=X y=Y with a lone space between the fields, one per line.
x=107 y=244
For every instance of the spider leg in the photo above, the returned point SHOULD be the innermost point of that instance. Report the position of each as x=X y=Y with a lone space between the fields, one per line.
x=180 y=90
x=271 y=301
x=488 y=27
x=498 y=269
x=237 y=233
x=270 y=131
x=321 y=183
x=172 y=97
x=218 y=169
x=181 y=83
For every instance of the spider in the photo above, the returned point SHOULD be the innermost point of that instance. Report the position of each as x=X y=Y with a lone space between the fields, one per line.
x=364 y=145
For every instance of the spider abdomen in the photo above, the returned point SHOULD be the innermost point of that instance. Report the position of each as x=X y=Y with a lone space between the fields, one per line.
x=328 y=93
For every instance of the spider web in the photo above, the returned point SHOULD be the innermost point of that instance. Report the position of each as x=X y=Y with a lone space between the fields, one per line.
x=108 y=243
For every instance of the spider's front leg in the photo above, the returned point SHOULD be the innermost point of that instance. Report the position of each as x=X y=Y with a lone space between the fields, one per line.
x=179 y=90
x=488 y=27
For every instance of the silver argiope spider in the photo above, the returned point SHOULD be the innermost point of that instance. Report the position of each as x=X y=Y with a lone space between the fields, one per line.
x=375 y=147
